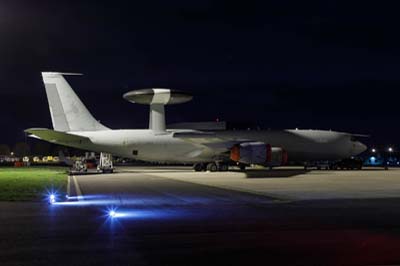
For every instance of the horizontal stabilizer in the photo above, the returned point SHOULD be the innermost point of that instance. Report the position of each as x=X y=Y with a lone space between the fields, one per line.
x=56 y=136
x=62 y=73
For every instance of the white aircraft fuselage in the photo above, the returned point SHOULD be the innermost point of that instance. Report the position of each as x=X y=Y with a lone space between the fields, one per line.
x=301 y=145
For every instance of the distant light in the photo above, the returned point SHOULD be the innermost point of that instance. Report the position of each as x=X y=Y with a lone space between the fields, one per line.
x=390 y=149
x=373 y=150
x=372 y=158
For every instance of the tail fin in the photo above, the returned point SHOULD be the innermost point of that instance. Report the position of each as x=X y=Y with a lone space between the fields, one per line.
x=67 y=111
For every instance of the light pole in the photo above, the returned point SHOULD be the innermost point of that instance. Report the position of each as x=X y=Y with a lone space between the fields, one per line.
x=390 y=150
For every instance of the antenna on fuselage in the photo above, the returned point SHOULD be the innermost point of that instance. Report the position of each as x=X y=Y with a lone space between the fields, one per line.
x=157 y=98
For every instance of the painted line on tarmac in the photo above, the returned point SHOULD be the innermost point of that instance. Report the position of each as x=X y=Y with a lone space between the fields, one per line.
x=69 y=186
x=78 y=189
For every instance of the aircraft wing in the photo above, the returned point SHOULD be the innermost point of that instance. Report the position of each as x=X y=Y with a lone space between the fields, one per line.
x=198 y=137
x=208 y=139
x=56 y=136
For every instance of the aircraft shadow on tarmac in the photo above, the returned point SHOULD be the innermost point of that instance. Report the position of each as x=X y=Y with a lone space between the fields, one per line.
x=281 y=173
x=250 y=173
x=285 y=173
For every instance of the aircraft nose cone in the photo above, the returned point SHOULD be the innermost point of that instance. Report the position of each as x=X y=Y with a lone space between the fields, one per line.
x=363 y=147
x=359 y=147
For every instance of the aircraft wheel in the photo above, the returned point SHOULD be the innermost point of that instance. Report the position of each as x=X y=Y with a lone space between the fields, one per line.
x=198 y=167
x=242 y=167
x=212 y=167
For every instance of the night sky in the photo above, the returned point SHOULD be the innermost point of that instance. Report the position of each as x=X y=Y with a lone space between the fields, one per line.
x=279 y=64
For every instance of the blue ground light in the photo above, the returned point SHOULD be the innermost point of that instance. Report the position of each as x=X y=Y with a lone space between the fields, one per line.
x=112 y=214
x=52 y=196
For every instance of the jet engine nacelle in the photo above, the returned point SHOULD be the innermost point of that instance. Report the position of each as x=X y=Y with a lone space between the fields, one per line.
x=279 y=157
x=251 y=153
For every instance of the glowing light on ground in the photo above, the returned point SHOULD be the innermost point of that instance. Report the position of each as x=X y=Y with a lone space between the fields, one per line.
x=52 y=198
x=112 y=213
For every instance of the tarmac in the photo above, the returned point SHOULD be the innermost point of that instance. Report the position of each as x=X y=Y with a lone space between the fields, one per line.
x=174 y=216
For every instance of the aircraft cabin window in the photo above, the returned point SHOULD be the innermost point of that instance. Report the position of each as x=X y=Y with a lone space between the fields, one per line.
x=135 y=152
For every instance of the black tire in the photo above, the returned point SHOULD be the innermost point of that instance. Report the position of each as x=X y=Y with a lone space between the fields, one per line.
x=198 y=167
x=212 y=167
x=242 y=167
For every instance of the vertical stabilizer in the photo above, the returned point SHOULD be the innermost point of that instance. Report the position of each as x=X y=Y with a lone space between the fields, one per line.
x=67 y=111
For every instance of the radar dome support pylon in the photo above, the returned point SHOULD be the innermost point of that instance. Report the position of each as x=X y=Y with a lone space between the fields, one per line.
x=157 y=98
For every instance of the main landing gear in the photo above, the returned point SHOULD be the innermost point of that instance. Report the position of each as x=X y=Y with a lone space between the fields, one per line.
x=211 y=167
